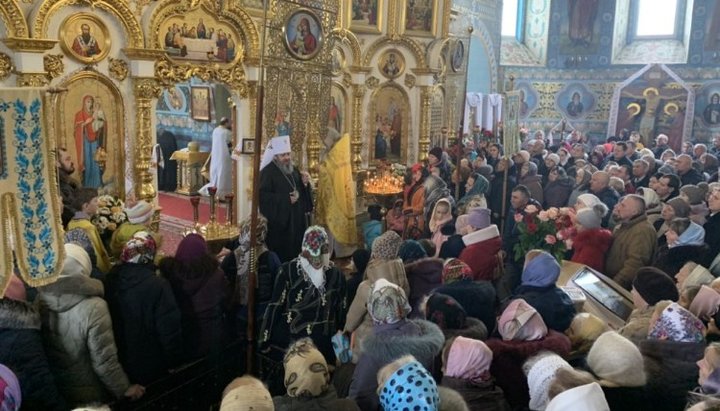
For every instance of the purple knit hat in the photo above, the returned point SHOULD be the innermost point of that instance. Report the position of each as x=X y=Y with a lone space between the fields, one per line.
x=191 y=248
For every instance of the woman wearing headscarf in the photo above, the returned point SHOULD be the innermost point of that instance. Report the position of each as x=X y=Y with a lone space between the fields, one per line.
x=478 y=298
x=392 y=336
x=708 y=376
x=441 y=223
x=201 y=291
x=705 y=304
x=79 y=236
x=246 y=393
x=21 y=349
x=307 y=382
x=384 y=263
x=674 y=344
x=540 y=370
x=236 y=266
x=529 y=178
x=308 y=298
x=618 y=365
x=476 y=185
x=685 y=242
x=538 y=289
x=466 y=369
x=522 y=334
x=581 y=186
x=146 y=317
x=419 y=390
x=78 y=336
x=649 y=287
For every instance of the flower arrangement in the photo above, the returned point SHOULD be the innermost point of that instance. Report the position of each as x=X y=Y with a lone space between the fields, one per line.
x=543 y=229
x=110 y=214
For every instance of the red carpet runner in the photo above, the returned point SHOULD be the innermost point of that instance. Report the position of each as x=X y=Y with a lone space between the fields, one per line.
x=178 y=206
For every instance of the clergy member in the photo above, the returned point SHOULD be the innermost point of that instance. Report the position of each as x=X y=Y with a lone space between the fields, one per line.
x=220 y=161
x=285 y=199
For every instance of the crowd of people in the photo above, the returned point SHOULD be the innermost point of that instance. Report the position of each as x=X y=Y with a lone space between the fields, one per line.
x=435 y=313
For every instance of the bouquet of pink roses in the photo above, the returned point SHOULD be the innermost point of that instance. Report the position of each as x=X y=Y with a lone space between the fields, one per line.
x=543 y=229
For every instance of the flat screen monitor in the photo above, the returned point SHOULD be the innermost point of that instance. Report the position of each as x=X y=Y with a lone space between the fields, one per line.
x=604 y=293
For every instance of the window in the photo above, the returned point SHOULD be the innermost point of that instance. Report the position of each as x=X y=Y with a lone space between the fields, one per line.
x=656 y=19
x=510 y=18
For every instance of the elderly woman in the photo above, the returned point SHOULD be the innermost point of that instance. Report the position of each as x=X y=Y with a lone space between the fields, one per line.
x=201 y=291
x=392 y=336
x=307 y=381
x=384 y=264
x=308 y=298
x=77 y=331
x=146 y=317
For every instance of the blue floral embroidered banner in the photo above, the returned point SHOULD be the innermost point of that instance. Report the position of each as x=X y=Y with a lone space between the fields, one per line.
x=31 y=228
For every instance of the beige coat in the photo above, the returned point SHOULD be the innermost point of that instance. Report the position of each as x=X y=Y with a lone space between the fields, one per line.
x=638 y=324
x=358 y=321
x=634 y=244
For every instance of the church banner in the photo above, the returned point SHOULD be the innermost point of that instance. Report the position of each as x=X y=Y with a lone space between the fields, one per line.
x=511 y=122
x=31 y=228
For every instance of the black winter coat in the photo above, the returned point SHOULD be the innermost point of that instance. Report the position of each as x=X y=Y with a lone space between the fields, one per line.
x=21 y=350
x=554 y=306
x=478 y=298
x=146 y=321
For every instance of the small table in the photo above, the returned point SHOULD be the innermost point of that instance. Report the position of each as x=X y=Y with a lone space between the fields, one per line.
x=189 y=164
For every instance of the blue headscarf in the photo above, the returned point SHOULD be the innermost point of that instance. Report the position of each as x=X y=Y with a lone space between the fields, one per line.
x=480 y=187
x=541 y=271
x=411 y=250
x=693 y=235
x=409 y=387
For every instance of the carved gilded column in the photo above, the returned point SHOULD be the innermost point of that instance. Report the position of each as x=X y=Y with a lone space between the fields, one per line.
x=425 y=113
x=313 y=147
x=144 y=89
x=356 y=143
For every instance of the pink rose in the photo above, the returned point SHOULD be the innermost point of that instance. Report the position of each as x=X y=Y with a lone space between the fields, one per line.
x=531 y=209
x=518 y=217
x=543 y=215
x=552 y=213
x=550 y=239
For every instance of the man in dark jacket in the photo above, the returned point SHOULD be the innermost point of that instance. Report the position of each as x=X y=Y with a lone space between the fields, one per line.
x=712 y=226
x=688 y=175
x=600 y=186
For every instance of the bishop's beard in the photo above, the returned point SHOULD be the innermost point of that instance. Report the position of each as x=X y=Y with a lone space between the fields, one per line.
x=285 y=168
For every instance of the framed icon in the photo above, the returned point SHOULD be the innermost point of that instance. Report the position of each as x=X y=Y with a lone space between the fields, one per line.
x=303 y=34
x=419 y=17
x=200 y=103
x=392 y=64
x=85 y=38
x=458 y=56
x=364 y=16
x=248 y=146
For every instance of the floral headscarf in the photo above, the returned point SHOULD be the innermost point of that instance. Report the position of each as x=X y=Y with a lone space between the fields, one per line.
x=454 y=270
x=139 y=249
x=387 y=303
x=314 y=242
x=79 y=236
x=410 y=388
x=387 y=246
x=242 y=254
x=677 y=324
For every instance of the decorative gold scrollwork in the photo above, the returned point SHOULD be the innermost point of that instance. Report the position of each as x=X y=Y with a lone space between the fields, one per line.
x=410 y=81
x=372 y=82
x=32 y=80
x=118 y=69
x=6 y=66
x=54 y=65
x=169 y=73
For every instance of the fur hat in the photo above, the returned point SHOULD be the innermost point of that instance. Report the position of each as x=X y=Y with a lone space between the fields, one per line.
x=479 y=218
x=616 y=361
x=246 y=394
x=695 y=194
x=541 y=375
x=387 y=303
x=589 y=199
x=591 y=217
x=521 y=322
x=437 y=152
x=77 y=262
x=140 y=213
x=589 y=397
x=654 y=285
x=554 y=158
x=651 y=198
x=306 y=371
x=680 y=206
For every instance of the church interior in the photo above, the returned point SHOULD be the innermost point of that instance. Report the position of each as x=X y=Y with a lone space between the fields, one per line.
x=110 y=116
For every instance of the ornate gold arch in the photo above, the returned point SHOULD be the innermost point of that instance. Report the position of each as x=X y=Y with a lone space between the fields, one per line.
x=232 y=14
x=406 y=42
x=118 y=8
x=13 y=18
x=348 y=37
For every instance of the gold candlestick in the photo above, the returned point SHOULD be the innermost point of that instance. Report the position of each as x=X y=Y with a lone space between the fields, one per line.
x=229 y=211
